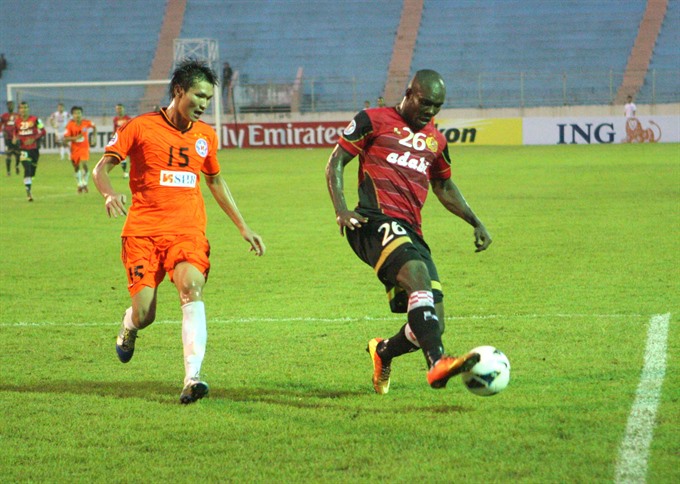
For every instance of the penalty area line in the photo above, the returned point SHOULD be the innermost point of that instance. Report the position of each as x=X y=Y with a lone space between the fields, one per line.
x=634 y=452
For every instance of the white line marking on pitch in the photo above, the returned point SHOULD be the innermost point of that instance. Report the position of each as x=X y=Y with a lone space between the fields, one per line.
x=327 y=320
x=632 y=464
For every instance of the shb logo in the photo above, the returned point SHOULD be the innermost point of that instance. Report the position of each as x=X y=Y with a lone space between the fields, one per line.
x=201 y=147
x=183 y=179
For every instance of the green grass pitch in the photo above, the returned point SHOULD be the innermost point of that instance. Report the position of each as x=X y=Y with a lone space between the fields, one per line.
x=586 y=251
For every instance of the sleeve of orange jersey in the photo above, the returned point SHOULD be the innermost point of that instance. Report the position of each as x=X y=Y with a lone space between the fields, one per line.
x=211 y=166
x=122 y=141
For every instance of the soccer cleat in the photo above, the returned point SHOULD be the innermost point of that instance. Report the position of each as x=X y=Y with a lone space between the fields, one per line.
x=449 y=366
x=125 y=175
x=125 y=344
x=381 y=370
x=85 y=190
x=80 y=189
x=193 y=391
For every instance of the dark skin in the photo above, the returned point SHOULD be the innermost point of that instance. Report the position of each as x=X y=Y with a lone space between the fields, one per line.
x=423 y=99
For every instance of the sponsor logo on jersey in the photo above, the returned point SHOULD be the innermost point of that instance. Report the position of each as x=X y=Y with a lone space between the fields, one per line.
x=114 y=140
x=418 y=164
x=201 y=147
x=350 y=128
x=181 y=179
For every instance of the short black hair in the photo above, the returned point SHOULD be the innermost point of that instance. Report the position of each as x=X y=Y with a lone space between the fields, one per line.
x=76 y=107
x=189 y=72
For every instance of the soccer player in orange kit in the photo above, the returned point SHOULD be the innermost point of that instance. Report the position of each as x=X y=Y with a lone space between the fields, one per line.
x=164 y=232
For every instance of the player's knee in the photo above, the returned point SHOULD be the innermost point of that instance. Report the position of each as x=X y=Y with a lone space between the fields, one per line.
x=414 y=276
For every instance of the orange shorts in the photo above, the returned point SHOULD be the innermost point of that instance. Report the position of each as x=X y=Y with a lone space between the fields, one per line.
x=148 y=259
x=79 y=154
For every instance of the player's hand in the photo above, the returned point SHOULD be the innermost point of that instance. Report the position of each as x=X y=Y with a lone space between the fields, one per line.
x=350 y=220
x=255 y=241
x=115 y=205
x=482 y=238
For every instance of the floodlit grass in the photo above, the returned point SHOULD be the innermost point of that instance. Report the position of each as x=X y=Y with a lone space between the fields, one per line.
x=585 y=252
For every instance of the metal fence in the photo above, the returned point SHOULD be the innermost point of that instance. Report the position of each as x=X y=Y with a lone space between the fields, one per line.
x=464 y=90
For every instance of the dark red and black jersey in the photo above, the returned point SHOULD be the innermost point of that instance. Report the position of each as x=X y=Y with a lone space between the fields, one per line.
x=7 y=121
x=395 y=163
x=28 y=131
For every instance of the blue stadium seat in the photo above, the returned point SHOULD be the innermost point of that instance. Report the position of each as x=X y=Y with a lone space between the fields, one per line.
x=333 y=41
x=79 y=41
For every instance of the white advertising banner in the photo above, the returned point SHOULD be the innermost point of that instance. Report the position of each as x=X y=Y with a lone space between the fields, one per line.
x=601 y=130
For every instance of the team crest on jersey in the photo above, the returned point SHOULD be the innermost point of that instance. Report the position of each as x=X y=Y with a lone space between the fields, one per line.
x=113 y=140
x=431 y=144
x=201 y=147
x=350 y=128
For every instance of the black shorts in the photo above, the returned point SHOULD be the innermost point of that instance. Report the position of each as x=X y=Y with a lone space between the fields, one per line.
x=29 y=159
x=11 y=148
x=386 y=244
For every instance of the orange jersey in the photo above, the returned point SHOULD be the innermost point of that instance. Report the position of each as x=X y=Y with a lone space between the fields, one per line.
x=80 y=150
x=165 y=168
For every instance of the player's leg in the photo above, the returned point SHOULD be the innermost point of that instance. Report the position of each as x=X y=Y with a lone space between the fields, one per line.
x=189 y=276
x=17 y=156
x=76 y=170
x=424 y=322
x=8 y=160
x=85 y=175
x=28 y=173
x=141 y=259
x=123 y=165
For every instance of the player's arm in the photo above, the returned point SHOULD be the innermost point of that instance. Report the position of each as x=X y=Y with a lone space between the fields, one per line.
x=450 y=196
x=335 y=169
x=220 y=191
x=94 y=135
x=114 y=201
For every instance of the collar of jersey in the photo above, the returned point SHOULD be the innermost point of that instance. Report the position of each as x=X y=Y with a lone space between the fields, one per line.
x=167 y=120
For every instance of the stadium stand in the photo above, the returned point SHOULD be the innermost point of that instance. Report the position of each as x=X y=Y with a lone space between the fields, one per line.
x=662 y=79
x=79 y=41
x=499 y=53
x=562 y=48
x=334 y=42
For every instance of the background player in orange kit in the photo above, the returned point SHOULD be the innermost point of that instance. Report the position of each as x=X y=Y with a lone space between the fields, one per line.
x=164 y=232
x=78 y=132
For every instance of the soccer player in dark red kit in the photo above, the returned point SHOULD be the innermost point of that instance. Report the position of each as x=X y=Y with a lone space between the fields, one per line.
x=7 y=121
x=118 y=121
x=28 y=130
x=401 y=154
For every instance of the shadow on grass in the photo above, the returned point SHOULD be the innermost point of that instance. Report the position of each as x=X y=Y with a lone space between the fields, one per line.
x=303 y=398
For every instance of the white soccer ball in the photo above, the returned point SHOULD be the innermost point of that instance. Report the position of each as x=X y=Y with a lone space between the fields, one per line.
x=490 y=375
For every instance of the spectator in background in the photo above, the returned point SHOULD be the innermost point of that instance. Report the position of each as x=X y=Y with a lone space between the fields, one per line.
x=367 y=104
x=227 y=74
x=58 y=120
x=7 y=121
x=78 y=132
x=630 y=109
x=28 y=130
x=381 y=102
x=3 y=64
x=118 y=121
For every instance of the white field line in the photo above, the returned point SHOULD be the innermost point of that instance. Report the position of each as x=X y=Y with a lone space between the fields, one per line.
x=632 y=464
x=330 y=320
